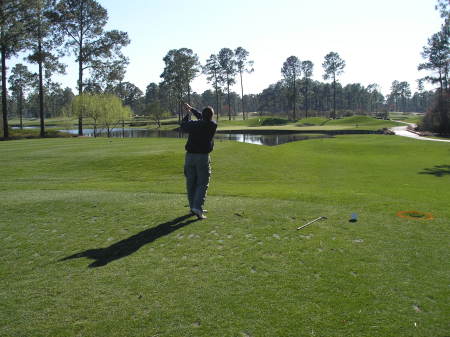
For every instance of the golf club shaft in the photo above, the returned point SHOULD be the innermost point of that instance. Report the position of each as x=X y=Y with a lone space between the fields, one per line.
x=309 y=223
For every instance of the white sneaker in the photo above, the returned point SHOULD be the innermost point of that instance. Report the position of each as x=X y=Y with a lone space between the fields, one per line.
x=198 y=213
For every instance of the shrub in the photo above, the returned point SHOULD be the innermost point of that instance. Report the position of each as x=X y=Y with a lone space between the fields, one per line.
x=437 y=119
x=268 y=121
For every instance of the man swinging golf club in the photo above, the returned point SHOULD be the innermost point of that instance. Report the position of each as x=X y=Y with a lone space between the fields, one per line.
x=197 y=164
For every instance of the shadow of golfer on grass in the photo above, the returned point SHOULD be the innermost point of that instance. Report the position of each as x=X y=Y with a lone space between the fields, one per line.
x=118 y=250
x=438 y=170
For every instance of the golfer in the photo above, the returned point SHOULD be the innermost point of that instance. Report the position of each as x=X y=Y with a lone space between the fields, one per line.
x=197 y=164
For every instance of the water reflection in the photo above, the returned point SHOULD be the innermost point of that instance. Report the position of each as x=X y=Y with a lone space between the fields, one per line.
x=268 y=139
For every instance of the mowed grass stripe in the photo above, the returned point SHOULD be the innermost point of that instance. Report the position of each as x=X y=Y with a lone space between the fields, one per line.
x=340 y=170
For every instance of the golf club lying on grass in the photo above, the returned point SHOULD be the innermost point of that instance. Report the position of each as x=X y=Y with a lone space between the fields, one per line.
x=309 y=223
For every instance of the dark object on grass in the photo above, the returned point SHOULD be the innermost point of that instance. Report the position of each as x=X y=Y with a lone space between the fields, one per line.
x=126 y=247
x=437 y=171
x=354 y=218
x=415 y=215
x=312 y=221
x=387 y=131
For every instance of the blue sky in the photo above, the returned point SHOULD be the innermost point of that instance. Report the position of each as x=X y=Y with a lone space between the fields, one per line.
x=380 y=41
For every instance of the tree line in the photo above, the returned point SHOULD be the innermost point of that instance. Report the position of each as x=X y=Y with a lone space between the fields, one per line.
x=49 y=29
x=295 y=95
x=315 y=98
x=182 y=66
x=312 y=98
x=437 y=61
x=45 y=30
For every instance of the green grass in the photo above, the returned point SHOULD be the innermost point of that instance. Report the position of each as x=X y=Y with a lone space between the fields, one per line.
x=436 y=137
x=267 y=121
x=253 y=123
x=15 y=134
x=72 y=123
x=312 y=121
x=406 y=117
x=51 y=122
x=361 y=123
x=245 y=271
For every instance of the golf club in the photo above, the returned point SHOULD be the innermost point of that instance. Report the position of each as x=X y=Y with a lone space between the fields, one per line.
x=312 y=221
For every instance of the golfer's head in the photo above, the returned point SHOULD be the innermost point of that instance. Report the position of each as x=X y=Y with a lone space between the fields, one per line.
x=208 y=113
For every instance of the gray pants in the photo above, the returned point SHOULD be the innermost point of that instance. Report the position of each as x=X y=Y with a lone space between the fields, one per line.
x=197 y=169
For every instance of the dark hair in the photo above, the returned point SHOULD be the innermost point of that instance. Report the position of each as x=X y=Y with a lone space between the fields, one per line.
x=207 y=113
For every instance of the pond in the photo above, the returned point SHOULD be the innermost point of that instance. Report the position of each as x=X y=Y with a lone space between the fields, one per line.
x=257 y=139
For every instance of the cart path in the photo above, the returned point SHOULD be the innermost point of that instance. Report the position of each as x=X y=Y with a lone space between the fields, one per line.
x=402 y=131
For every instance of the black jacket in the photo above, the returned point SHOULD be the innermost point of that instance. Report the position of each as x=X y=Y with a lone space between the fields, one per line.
x=201 y=133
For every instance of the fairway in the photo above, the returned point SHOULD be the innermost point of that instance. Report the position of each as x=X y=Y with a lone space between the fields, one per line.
x=97 y=241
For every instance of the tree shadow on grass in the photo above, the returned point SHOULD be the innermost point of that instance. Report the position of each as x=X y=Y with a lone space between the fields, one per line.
x=438 y=170
x=118 y=250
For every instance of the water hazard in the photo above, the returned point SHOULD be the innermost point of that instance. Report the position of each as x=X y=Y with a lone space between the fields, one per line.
x=257 y=139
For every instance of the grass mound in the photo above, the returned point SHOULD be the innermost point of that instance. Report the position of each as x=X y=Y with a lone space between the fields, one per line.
x=312 y=121
x=407 y=117
x=361 y=121
x=15 y=134
x=267 y=121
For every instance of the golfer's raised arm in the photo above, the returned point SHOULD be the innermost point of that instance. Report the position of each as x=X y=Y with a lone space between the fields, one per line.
x=194 y=111
x=187 y=107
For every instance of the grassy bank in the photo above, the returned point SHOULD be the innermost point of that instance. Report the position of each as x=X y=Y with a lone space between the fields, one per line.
x=406 y=117
x=254 y=123
x=360 y=123
x=95 y=242
x=15 y=134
